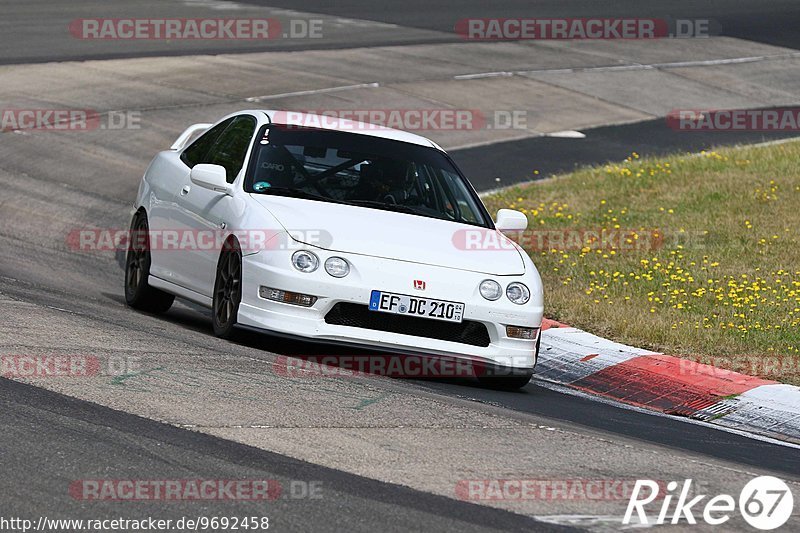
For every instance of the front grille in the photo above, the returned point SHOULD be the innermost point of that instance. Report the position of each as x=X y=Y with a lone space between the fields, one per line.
x=359 y=316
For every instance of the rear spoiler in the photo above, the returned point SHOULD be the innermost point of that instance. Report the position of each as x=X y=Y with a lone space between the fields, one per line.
x=184 y=137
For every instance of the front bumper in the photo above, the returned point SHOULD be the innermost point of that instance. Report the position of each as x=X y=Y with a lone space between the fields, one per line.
x=273 y=269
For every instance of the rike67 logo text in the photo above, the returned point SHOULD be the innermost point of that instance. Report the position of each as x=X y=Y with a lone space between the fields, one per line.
x=765 y=503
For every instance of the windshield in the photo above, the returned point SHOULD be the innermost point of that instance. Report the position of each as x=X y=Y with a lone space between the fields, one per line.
x=361 y=170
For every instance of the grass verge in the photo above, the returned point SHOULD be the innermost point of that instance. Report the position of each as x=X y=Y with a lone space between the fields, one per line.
x=690 y=255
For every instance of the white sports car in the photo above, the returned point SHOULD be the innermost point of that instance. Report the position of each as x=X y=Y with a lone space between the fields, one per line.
x=334 y=231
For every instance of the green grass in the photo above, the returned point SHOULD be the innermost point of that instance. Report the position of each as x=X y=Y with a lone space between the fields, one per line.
x=708 y=263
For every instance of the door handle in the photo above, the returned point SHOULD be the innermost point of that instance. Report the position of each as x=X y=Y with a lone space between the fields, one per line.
x=185 y=190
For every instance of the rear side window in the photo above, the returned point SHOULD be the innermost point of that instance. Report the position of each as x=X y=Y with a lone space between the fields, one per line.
x=197 y=151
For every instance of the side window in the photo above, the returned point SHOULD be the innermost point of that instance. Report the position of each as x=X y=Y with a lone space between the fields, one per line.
x=196 y=153
x=230 y=148
x=464 y=208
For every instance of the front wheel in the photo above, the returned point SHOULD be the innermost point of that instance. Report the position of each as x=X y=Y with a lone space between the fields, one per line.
x=505 y=378
x=138 y=293
x=227 y=292
x=512 y=380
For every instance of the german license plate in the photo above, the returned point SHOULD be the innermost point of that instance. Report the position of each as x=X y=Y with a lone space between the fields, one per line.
x=401 y=304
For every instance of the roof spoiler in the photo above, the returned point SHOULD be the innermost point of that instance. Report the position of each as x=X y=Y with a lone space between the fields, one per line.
x=184 y=137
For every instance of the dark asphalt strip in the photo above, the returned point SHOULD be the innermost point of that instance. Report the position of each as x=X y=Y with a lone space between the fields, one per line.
x=642 y=426
x=180 y=51
x=52 y=440
x=774 y=22
x=515 y=161
x=39 y=34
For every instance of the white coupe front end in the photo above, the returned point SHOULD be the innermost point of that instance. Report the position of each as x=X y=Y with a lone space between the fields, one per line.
x=368 y=237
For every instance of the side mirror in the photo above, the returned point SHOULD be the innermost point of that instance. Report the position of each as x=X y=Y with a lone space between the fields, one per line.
x=510 y=220
x=212 y=177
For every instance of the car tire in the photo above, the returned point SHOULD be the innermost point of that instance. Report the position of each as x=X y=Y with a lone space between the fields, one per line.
x=227 y=291
x=505 y=378
x=138 y=293
x=511 y=379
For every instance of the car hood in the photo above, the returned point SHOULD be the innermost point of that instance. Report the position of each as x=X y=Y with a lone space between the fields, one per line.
x=399 y=236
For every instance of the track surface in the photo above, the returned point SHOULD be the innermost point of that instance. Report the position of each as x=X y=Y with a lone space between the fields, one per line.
x=513 y=161
x=230 y=390
x=98 y=440
x=37 y=30
x=768 y=22
x=367 y=440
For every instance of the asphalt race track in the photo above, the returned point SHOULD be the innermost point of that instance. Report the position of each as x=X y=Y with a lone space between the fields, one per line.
x=387 y=453
x=98 y=439
x=34 y=30
x=766 y=22
x=512 y=161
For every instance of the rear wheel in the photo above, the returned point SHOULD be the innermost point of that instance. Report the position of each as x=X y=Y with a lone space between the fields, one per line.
x=227 y=291
x=138 y=293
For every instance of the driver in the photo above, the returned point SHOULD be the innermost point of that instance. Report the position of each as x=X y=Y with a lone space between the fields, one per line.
x=388 y=179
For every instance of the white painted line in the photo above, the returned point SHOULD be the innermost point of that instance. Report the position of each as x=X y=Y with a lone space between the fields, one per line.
x=481 y=75
x=654 y=66
x=636 y=66
x=591 y=521
x=477 y=144
x=314 y=91
x=729 y=61
x=772 y=410
x=566 y=134
x=218 y=5
x=779 y=395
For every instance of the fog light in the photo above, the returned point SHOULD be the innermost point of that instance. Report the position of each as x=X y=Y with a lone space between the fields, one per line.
x=519 y=332
x=294 y=298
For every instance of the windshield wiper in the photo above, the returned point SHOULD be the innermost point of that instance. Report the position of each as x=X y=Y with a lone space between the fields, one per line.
x=388 y=207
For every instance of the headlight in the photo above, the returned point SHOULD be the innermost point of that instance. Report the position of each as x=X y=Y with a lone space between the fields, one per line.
x=490 y=289
x=337 y=267
x=518 y=293
x=305 y=261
